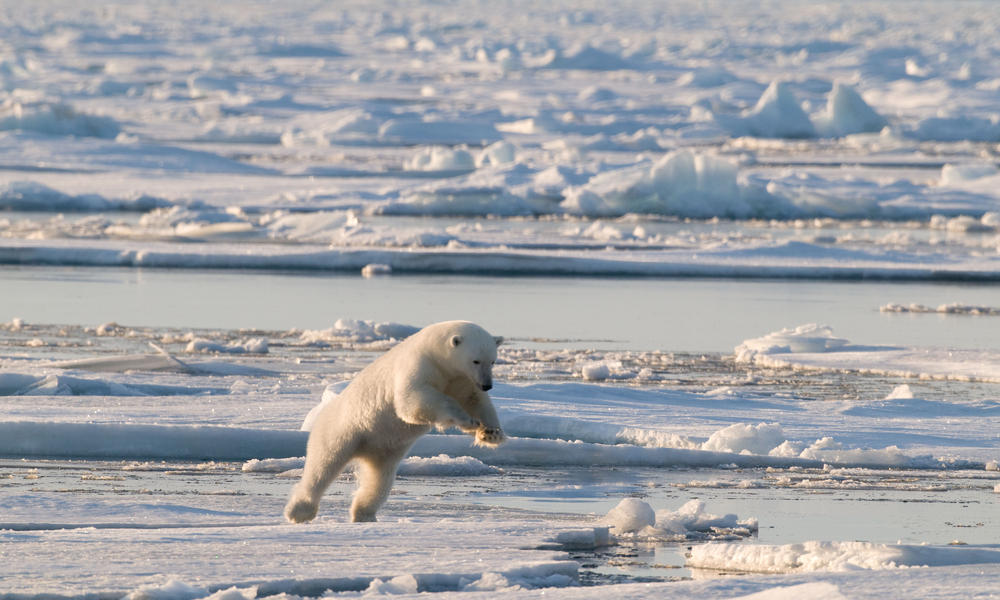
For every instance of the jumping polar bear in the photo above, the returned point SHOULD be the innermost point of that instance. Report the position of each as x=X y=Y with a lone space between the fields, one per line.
x=438 y=377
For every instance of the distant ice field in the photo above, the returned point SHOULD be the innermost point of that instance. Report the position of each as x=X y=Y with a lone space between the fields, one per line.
x=676 y=140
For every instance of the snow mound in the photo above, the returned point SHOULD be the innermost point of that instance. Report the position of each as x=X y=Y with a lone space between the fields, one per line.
x=19 y=384
x=817 y=590
x=958 y=174
x=56 y=119
x=635 y=518
x=900 y=392
x=804 y=338
x=955 y=129
x=707 y=77
x=441 y=465
x=16 y=384
x=34 y=196
x=282 y=49
x=419 y=131
x=177 y=590
x=585 y=57
x=833 y=556
x=440 y=159
x=596 y=93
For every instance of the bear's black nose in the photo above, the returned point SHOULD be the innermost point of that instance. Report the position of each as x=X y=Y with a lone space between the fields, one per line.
x=487 y=387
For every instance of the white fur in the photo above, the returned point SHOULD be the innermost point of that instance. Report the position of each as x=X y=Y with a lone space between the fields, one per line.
x=437 y=377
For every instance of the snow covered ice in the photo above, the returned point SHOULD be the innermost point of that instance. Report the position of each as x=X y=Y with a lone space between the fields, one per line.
x=745 y=257
x=334 y=132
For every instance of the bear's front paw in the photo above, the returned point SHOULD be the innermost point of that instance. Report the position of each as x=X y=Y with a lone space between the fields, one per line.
x=490 y=436
x=300 y=511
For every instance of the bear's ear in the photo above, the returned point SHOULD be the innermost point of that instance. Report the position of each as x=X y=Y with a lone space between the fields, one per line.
x=456 y=340
x=498 y=340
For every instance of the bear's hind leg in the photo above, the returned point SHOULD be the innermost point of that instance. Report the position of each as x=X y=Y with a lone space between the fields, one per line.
x=375 y=478
x=320 y=471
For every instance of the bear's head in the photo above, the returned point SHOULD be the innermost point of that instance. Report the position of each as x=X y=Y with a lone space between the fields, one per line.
x=472 y=351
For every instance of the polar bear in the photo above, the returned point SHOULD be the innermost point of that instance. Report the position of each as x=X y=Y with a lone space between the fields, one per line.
x=437 y=377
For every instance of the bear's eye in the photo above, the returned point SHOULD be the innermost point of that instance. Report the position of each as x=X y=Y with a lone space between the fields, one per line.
x=475 y=362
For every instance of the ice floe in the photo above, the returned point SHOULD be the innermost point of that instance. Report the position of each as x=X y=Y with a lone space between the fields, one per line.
x=634 y=518
x=815 y=346
x=834 y=556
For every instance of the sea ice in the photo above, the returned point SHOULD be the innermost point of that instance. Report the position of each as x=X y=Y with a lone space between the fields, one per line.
x=814 y=346
x=777 y=114
x=635 y=518
x=833 y=556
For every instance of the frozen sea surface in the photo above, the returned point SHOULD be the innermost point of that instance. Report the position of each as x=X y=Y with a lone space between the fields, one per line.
x=786 y=140
x=758 y=337
x=171 y=451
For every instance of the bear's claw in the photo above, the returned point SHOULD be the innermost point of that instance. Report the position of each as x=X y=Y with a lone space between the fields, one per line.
x=490 y=436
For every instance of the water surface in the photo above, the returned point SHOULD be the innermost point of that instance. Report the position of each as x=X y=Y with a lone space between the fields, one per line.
x=695 y=315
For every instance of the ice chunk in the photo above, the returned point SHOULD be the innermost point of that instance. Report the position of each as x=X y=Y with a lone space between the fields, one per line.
x=497 y=153
x=590 y=538
x=375 y=269
x=249 y=346
x=692 y=517
x=777 y=114
x=595 y=372
x=631 y=515
x=172 y=590
x=402 y=584
x=444 y=465
x=680 y=183
x=804 y=338
x=354 y=330
x=635 y=517
x=742 y=438
x=832 y=556
x=900 y=392
x=848 y=113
